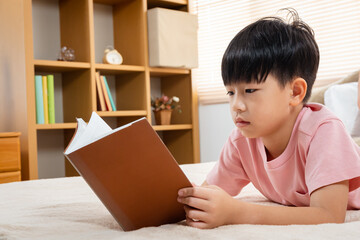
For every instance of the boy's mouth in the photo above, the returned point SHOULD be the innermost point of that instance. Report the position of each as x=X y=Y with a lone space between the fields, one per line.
x=241 y=123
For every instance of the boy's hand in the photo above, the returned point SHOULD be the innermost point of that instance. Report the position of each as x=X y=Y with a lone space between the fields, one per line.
x=206 y=207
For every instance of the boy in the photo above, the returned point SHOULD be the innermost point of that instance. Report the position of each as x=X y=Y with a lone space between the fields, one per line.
x=294 y=153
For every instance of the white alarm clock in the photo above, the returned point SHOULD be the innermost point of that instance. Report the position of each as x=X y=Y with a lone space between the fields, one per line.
x=112 y=56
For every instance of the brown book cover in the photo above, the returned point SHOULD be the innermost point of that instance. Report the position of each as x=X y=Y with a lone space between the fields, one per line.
x=131 y=171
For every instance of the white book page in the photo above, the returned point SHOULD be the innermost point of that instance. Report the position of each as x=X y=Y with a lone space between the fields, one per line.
x=81 y=126
x=96 y=129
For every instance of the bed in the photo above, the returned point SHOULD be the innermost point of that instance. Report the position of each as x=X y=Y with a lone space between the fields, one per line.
x=66 y=208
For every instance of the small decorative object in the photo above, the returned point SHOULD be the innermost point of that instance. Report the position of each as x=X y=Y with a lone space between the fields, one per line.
x=163 y=108
x=112 y=56
x=66 y=54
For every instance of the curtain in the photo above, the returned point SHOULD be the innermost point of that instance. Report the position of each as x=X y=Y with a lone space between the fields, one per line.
x=336 y=24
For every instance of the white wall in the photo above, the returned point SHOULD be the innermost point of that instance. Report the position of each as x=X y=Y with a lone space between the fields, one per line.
x=215 y=126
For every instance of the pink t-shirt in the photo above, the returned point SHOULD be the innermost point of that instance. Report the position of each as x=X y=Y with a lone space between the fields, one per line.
x=320 y=152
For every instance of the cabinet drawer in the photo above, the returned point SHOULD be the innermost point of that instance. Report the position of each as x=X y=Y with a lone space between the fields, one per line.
x=7 y=177
x=9 y=154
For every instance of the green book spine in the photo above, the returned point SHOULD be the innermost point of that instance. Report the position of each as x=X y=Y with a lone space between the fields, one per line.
x=109 y=93
x=39 y=100
x=51 y=101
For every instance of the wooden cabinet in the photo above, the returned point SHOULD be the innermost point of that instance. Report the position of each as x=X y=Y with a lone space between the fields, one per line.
x=10 y=164
x=133 y=83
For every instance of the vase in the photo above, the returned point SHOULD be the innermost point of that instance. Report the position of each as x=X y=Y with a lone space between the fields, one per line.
x=163 y=117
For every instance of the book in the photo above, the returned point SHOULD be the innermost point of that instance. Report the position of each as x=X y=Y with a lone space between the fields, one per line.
x=130 y=170
x=51 y=98
x=109 y=93
x=100 y=92
x=39 y=100
x=45 y=99
x=106 y=95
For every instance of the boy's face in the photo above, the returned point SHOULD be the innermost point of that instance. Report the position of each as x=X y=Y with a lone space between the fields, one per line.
x=259 y=110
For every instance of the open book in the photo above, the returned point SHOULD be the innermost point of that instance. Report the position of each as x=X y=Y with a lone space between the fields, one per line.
x=130 y=170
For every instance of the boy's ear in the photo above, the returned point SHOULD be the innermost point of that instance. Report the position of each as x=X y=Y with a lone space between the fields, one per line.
x=298 y=87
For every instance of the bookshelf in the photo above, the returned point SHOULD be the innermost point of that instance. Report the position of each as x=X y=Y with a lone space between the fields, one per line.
x=88 y=26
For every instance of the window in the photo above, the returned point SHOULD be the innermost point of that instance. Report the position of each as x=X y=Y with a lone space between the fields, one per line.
x=336 y=25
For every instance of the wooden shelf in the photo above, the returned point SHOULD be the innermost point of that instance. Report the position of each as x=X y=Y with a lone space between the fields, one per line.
x=167 y=3
x=118 y=69
x=111 y=2
x=56 y=126
x=76 y=89
x=130 y=113
x=172 y=127
x=59 y=66
x=164 y=72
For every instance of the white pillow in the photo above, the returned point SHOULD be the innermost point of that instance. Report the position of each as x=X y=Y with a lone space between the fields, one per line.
x=341 y=99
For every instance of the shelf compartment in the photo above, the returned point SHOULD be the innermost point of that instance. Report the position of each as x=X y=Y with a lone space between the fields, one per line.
x=72 y=93
x=180 y=144
x=172 y=127
x=128 y=92
x=59 y=66
x=124 y=29
x=118 y=69
x=50 y=147
x=56 y=126
x=174 y=85
x=175 y=4
x=61 y=29
x=164 y=72
x=140 y=113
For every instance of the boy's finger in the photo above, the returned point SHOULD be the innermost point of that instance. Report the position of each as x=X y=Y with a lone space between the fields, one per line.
x=196 y=224
x=198 y=192
x=194 y=202
x=196 y=214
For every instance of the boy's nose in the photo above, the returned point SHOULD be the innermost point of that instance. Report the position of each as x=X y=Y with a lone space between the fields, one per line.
x=238 y=105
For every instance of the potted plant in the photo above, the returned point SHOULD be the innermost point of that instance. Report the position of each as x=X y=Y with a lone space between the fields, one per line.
x=163 y=108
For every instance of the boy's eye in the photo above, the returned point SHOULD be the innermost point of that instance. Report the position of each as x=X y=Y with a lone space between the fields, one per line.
x=250 y=90
x=230 y=93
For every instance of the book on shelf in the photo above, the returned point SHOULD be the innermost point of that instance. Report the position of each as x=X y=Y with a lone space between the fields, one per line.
x=51 y=98
x=130 y=170
x=100 y=92
x=39 y=100
x=109 y=94
x=45 y=99
x=106 y=95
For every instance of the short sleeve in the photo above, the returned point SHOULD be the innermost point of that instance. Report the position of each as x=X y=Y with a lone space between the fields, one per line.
x=228 y=173
x=332 y=157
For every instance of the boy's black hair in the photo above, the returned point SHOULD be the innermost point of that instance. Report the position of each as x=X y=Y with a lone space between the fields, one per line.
x=270 y=45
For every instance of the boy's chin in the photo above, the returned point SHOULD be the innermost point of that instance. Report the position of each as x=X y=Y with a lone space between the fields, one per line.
x=247 y=134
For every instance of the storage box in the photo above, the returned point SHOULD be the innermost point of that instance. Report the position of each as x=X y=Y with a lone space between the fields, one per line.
x=172 y=38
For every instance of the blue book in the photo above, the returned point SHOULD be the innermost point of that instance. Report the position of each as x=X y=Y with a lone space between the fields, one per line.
x=40 y=119
x=109 y=93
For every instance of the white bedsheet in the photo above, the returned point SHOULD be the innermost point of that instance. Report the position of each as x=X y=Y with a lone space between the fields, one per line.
x=66 y=208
